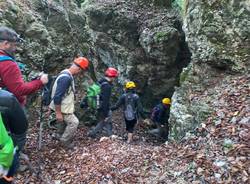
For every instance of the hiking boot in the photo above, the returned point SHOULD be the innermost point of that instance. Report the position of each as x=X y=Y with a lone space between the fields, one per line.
x=154 y=132
x=91 y=134
x=22 y=168
x=68 y=144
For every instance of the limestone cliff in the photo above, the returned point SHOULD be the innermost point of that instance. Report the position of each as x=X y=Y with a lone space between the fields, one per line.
x=217 y=33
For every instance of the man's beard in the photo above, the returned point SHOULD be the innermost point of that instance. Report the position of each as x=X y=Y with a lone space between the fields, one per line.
x=10 y=52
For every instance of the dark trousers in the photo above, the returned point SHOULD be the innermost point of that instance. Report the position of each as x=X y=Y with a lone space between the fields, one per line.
x=161 y=131
x=130 y=125
x=107 y=125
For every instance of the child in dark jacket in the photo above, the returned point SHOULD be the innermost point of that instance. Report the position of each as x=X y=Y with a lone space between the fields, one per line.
x=159 y=116
x=104 y=114
x=131 y=108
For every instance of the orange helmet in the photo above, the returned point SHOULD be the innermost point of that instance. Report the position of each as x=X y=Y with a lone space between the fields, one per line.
x=82 y=62
x=111 y=72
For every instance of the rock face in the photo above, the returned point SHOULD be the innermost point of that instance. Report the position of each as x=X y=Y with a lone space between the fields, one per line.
x=217 y=33
x=145 y=45
x=54 y=31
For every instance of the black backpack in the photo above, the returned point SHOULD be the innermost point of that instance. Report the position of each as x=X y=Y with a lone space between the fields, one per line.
x=47 y=89
x=130 y=106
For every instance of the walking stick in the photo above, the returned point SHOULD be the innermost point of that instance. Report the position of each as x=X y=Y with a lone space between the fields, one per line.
x=40 y=127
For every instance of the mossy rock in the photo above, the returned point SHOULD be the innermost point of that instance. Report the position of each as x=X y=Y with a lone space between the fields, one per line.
x=184 y=74
x=159 y=36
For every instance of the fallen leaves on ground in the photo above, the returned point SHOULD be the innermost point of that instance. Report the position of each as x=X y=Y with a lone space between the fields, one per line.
x=217 y=153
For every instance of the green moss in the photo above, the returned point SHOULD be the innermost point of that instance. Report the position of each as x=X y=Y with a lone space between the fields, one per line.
x=161 y=36
x=5 y=22
x=174 y=132
x=202 y=112
x=238 y=67
x=181 y=5
x=85 y=48
x=184 y=74
x=14 y=8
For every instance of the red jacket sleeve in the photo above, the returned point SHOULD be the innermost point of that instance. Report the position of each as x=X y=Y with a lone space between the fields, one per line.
x=12 y=78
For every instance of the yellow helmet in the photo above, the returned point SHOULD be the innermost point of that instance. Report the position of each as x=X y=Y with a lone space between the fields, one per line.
x=130 y=85
x=166 y=101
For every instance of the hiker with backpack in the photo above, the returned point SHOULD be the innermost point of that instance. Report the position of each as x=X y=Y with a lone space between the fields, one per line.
x=103 y=106
x=11 y=77
x=14 y=121
x=131 y=108
x=10 y=74
x=160 y=116
x=63 y=98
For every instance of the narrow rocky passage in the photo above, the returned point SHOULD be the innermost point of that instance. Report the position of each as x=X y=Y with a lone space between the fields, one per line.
x=103 y=159
x=217 y=152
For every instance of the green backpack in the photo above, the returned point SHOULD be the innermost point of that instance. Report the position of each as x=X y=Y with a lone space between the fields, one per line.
x=93 y=95
x=6 y=147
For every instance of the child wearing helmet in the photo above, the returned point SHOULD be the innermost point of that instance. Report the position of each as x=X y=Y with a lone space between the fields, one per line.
x=131 y=108
x=159 y=116
x=104 y=113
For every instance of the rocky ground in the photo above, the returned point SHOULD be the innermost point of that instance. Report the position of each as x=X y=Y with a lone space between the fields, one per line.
x=217 y=152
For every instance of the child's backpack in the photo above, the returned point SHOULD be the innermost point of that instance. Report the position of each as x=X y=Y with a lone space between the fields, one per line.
x=93 y=98
x=154 y=113
x=47 y=89
x=6 y=147
x=130 y=106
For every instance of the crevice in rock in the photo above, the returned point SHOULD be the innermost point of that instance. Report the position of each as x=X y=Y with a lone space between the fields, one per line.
x=184 y=55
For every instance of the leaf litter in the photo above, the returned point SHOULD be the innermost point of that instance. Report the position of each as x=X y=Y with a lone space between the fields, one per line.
x=217 y=153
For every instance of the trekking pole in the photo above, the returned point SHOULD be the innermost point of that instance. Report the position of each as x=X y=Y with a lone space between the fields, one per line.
x=39 y=160
x=41 y=115
x=40 y=126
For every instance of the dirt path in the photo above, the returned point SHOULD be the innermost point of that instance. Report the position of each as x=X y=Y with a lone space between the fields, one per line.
x=110 y=160
x=218 y=152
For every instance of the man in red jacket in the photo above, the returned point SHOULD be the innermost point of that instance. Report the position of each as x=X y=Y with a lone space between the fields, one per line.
x=10 y=74
x=11 y=77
